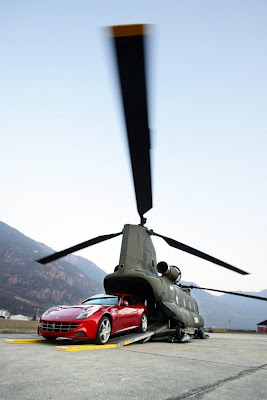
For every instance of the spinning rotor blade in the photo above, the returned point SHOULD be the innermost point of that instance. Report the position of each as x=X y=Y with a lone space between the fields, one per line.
x=129 y=47
x=195 y=252
x=224 y=291
x=80 y=246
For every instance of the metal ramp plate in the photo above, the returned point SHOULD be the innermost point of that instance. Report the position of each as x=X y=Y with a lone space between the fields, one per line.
x=137 y=337
x=131 y=338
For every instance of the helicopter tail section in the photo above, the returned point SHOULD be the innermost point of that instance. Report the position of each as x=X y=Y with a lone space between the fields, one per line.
x=137 y=250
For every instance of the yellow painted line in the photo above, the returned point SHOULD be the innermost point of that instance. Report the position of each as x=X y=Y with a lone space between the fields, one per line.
x=86 y=347
x=25 y=341
x=127 y=342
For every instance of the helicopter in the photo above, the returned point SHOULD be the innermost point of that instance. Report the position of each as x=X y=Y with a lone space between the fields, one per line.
x=156 y=284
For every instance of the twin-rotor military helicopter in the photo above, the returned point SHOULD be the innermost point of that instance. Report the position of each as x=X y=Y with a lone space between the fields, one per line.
x=138 y=273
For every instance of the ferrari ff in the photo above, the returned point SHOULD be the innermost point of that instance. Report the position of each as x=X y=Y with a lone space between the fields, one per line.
x=96 y=318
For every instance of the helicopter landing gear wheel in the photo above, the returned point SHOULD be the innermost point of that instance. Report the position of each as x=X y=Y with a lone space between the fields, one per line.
x=178 y=333
x=200 y=334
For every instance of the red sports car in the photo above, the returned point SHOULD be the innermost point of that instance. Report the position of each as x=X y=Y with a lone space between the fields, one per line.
x=95 y=318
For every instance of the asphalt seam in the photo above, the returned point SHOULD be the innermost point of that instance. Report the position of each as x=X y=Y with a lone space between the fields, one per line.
x=213 y=386
x=190 y=359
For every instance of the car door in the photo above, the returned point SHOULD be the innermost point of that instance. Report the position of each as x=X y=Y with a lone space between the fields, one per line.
x=120 y=316
x=130 y=311
x=125 y=315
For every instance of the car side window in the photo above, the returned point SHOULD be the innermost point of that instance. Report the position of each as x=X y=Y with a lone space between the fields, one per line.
x=131 y=300
x=135 y=301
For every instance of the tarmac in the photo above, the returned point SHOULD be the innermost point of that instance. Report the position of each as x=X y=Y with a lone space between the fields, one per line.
x=227 y=365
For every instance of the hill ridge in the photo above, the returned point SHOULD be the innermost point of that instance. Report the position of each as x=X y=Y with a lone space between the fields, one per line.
x=26 y=284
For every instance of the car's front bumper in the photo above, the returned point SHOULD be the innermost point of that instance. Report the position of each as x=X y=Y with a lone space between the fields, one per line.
x=80 y=329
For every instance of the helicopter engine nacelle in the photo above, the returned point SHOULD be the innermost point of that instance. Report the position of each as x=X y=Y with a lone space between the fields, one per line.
x=170 y=271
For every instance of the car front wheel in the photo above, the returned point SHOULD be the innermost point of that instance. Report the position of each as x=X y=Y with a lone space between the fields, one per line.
x=103 y=330
x=143 y=324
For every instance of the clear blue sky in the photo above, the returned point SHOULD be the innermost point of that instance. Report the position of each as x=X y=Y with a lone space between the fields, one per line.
x=65 y=174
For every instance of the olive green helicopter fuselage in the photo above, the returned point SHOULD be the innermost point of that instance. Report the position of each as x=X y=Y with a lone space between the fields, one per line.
x=156 y=284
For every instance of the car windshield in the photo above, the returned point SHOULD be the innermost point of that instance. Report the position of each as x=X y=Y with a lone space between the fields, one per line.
x=107 y=300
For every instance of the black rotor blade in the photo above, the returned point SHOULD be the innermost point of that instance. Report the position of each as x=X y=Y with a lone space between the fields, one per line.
x=80 y=246
x=130 y=55
x=224 y=291
x=195 y=252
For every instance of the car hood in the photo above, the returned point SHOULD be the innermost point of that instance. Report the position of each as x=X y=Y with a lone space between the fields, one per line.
x=69 y=312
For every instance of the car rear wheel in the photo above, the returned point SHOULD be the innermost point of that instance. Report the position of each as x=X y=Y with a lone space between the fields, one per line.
x=143 y=324
x=103 y=331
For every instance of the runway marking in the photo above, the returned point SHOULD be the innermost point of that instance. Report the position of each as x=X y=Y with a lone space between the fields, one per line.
x=127 y=342
x=87 y=347
x=72 y=347
x=25 y=341
x=93 y=346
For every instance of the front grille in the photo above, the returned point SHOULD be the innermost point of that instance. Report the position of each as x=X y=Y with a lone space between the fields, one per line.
x=58 y=326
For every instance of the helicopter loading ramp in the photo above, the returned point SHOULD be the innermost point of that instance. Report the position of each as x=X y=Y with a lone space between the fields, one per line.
x=153 y=329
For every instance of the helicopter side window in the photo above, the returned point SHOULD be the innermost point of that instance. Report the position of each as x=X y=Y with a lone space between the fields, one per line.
x=184 y=303
x=189 y=305
x=177 y=300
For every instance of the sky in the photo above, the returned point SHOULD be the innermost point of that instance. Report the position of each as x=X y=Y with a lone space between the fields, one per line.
x=65 y=174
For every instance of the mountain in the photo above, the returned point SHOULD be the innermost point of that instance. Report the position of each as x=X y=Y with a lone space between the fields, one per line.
x=26 y=285
x=87 y=267
x=228 y=311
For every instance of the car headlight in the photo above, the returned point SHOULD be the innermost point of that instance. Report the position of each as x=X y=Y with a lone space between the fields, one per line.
x=88 y=313
x=45 y=313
